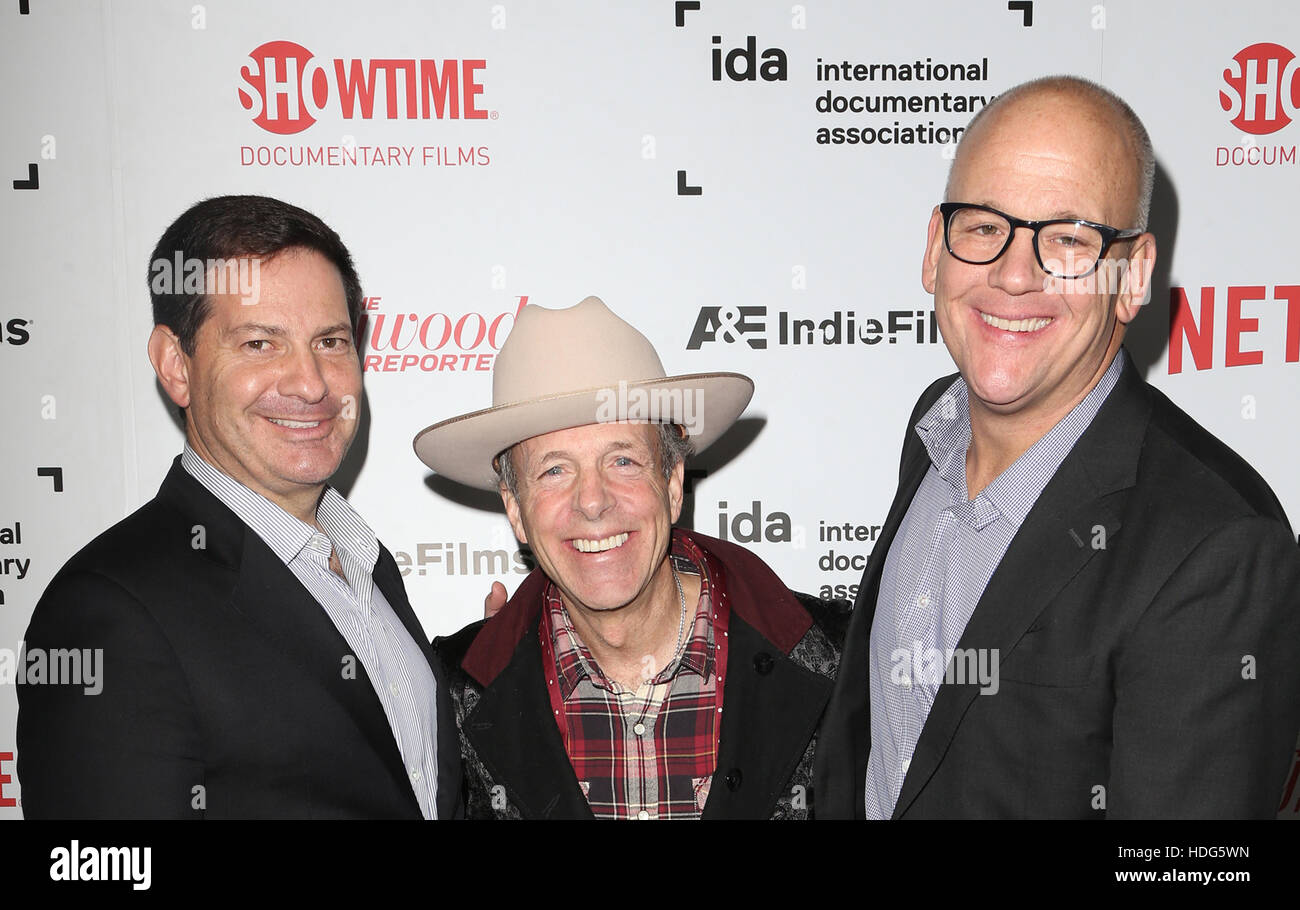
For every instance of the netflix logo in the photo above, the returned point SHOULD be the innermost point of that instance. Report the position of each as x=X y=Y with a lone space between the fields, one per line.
x=1224 y=323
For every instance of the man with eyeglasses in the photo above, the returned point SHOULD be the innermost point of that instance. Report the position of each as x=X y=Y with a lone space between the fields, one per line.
x=1082 y=604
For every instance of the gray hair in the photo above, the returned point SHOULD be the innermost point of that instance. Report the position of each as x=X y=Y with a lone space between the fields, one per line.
x=1102 y=97
x=674 y=447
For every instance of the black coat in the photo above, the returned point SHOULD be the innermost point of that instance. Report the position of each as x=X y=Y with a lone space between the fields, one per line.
x=223 y=695
x=783 y=650
x=1147 y=621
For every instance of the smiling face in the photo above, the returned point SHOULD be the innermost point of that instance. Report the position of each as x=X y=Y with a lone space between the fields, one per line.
x=597 y=511
x=273 y=388
x=1026 y=344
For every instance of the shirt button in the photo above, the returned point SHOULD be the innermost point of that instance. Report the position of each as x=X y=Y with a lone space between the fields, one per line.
x=906 y=683
x=639 y=729
x=905 y=764
x=415 y=774
x=643 y=815
x=924 y=600
x=393 y=688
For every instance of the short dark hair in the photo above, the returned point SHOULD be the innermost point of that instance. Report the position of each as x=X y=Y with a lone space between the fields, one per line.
x=231 y=227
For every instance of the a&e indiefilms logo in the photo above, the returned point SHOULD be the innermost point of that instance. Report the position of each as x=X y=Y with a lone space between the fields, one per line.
x=730 y=324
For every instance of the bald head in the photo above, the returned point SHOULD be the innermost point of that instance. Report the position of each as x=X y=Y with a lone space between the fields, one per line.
x=1133 y=164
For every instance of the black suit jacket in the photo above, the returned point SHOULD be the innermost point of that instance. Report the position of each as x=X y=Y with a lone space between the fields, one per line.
x=223 y=685
x=1147 y=622
x=782 y=653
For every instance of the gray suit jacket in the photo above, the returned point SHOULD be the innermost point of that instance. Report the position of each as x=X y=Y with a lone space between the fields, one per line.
x=1157 y=675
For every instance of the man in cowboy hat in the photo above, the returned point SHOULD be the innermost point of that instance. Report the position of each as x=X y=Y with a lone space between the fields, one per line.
x=640 y=671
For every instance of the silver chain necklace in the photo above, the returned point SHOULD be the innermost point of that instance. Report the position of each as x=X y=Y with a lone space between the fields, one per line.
x=681 y=622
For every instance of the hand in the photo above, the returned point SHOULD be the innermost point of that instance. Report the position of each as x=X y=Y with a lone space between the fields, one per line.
x=495 y=600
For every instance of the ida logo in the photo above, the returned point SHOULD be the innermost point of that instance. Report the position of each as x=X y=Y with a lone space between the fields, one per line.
x=1261 y=93
x=286 y=88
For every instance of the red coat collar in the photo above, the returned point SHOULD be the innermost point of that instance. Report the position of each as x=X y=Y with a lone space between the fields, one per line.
x=757 y=596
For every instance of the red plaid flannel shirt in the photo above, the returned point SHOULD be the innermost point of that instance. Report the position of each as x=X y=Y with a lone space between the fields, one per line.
x=649 y=753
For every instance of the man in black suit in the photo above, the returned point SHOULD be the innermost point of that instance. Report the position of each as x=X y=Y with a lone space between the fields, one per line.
x=1082 y=604
x=258 y=656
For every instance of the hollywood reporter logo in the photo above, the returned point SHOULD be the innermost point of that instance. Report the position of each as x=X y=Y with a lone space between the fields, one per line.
x=1261 y=93
x=433 y=342
x=287 y=89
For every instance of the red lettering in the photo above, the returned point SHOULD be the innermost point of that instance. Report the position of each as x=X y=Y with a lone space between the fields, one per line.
x=472 y=88
x=1200 y=340
x=372 y=363
x=478 y=336
x=439 y=90
x=390 y=363
x=448 y=362
x=6 y=801
x=371 y=303
x=391 y=68
x=1291 y=294
x=395 y=342
x=496 y=323
x=410 y=360
x=424 y=331
x=1237 y=324
x=484 y=363
x=350 y=89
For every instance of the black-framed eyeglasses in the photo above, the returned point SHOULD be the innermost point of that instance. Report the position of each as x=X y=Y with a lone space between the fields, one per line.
x=1064 y=247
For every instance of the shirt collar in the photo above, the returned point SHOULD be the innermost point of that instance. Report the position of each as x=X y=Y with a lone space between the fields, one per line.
x=285 y=534
x=946 y=434
x=573 y=659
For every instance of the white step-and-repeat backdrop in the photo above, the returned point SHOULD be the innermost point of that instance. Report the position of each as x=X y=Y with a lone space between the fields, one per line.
x=746 y=181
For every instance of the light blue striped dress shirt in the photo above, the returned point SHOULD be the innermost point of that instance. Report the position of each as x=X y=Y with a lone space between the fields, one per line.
x=395 y=663
x=937 y=568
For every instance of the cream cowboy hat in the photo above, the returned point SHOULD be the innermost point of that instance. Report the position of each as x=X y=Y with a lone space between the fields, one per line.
x=569 y=368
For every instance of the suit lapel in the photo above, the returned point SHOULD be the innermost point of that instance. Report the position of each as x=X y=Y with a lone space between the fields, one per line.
x=771 y=707
x=514 y=734
x=388 y=578
x=275 y=602
x=844 y=744
x=1052 y=546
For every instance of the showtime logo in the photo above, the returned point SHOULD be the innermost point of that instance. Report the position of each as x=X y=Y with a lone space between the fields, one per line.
x=433 y=342
x=1261 y=94
x=287 y=89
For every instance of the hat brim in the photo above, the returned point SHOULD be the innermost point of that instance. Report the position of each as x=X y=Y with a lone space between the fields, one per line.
x=462 y=448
